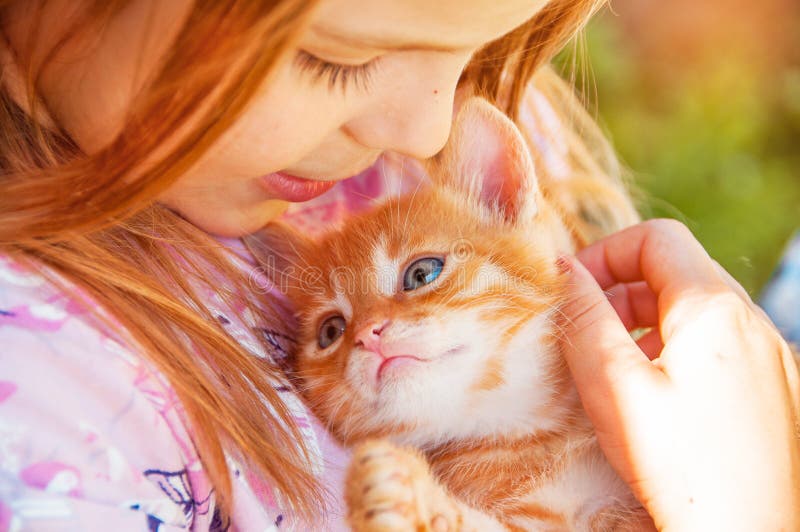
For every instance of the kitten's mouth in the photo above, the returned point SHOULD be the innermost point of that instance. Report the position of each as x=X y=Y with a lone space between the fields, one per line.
x=394 y=363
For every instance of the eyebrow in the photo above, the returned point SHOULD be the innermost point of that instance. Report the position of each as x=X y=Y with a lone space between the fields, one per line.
x=384 y=43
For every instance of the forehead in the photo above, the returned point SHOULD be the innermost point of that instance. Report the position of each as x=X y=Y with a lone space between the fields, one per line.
x=443 y=24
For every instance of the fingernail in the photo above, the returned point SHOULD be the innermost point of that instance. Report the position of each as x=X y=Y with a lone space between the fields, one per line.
x=563 y=264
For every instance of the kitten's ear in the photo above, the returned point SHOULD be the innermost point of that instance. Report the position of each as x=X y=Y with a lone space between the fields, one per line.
x=488 y=160
x=282 y=253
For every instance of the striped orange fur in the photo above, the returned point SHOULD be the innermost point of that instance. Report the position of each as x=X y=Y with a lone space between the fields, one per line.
x=463 y=366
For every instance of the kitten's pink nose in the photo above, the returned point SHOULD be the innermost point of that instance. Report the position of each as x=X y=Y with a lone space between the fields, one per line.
x=370 y=335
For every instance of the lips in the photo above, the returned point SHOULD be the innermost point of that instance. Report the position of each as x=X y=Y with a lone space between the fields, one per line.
x=292 y=188
x=396 y=361
x=391 y=363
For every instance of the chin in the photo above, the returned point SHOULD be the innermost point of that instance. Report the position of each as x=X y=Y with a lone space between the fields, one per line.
x=235 y=222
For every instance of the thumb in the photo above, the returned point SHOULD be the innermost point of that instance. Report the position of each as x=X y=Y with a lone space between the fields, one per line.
x=611 y=373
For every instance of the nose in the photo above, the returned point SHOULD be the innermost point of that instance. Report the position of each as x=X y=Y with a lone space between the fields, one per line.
x=370 y=335
x=413 y=115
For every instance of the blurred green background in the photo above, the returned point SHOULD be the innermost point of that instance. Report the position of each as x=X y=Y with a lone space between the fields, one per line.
x=701 y=99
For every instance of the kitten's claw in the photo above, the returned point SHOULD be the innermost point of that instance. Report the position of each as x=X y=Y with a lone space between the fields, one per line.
x=390 y=489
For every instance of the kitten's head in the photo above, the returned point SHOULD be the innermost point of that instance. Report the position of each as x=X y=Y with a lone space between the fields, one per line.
x=430 y=317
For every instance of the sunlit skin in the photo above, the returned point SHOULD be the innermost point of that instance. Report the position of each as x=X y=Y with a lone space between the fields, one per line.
x=415 y=51
x=705 y=434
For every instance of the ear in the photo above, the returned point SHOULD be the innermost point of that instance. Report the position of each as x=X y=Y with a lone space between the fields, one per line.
x=488 y=161
x=282 y=254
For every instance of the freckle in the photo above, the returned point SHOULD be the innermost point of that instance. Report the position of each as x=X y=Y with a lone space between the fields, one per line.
x=436 y=91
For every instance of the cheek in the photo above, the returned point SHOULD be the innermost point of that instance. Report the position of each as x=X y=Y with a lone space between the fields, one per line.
x=334 y=390
x=220 y=194
x=282 y=125
x=360 y=373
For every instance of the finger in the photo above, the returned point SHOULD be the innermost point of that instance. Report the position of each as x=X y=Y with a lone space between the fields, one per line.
x=665 y=255
x=605 y=362
x=733 y=284
x=635 y=304
x=661 y=252
x=651 y=344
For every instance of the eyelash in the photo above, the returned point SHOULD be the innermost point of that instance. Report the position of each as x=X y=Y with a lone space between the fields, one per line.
x=341 y=76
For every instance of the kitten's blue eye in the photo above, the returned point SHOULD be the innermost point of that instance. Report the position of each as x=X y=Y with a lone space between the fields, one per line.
x=422 y=272
x=330 y=331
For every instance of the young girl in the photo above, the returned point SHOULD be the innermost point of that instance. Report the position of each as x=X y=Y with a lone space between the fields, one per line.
x=137 y=380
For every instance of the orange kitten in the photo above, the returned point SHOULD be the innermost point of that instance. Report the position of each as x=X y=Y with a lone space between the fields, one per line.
x=429 y=323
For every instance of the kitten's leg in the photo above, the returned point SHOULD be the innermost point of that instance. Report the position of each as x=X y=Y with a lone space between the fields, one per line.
x=392 y=489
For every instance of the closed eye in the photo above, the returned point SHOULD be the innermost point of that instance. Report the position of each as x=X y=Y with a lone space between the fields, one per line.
x=336 y=74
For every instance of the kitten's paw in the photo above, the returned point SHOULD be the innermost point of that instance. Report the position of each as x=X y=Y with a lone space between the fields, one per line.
x=390 y=489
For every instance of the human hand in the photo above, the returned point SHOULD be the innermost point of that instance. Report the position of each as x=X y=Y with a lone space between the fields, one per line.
x=700 y=416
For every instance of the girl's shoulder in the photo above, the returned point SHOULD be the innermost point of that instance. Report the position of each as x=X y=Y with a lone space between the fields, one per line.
x=91 y=436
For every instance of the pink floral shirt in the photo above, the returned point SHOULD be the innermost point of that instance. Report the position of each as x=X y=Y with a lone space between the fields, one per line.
x=92 y=438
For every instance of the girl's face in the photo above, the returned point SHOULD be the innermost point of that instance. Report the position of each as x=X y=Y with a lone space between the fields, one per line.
x=366 y=76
